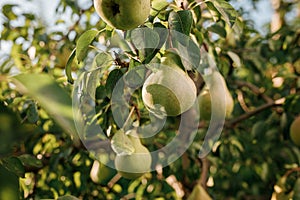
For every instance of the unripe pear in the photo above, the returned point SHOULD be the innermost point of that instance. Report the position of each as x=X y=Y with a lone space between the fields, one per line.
x=215 y=81
x=136 y=164
x=169 y=91
x=101 y=174
x=123 y=14
x=295 y=131
x=199 y=193
x=171 y=59
x=204 y=102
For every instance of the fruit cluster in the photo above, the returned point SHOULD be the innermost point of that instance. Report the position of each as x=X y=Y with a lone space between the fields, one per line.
x=167 y=91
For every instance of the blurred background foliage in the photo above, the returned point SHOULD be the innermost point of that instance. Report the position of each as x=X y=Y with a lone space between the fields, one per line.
x=41 y=157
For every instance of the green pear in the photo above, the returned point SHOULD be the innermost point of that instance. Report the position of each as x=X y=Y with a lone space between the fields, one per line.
x=215 y=81
x=136 y=164
x=169 y=91
x=123 y=14
x=171 y=59
x=204 y=102
x=101 y=173
x=295 y=131
x=199 y=193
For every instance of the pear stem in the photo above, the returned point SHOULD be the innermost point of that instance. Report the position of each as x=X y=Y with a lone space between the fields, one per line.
x=129 y=116
x=204 y=172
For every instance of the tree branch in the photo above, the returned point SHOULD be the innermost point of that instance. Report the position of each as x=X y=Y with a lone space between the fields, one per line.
x=242 y=102
x=297 y=169
x=254 y=89
x=247 y=115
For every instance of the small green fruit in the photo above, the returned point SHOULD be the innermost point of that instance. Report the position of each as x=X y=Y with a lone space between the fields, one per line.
x=215 y=81
x=134 y=165
x=204 y=101
x=101 y=174
x=123 y=14
x=169 y=90
x=172 y=59
x=295 y=131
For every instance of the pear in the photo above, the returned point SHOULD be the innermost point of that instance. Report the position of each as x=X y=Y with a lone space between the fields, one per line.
x=295 y=131
x=199 y=193
x=123 y=14
x=172 y=59
x=101 y=173
x=214 y=83
x=136 y=164
x=169 y=91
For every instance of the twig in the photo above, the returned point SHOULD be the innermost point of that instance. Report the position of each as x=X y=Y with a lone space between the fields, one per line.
x=249 y=114
x=269 y=103
x=242 y=102
x=254 y=89
x=114 y=180
x=297 y=169
x=129 y=116
x=204 y=172
x=129 y=196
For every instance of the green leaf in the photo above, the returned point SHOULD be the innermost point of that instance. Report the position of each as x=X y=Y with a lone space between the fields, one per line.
x=145 y=40
x=135 y=77
x=171 y=58
x=258 y=128
x=181 y=21
x=121 y=144
x=8 y=12
x=87 y=88
x=163 y=35
x=32 y=113
x=69 y=66
x=30 y=161
x=6 y=65
x=158 y=5
x=228 y=13
x=29 y=16
x=118 y=41
x=83 y=43
x=13 y=165
x=237 y=144
x=112 y=80
x=54 y=99
x=16 y=55
x=292 y=104
x=103 y=60
x=216 y=28
x=194 y=53
x=100 y=92
x=162 y=31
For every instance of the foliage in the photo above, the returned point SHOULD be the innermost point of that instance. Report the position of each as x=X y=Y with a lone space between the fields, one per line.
x=253 y=159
